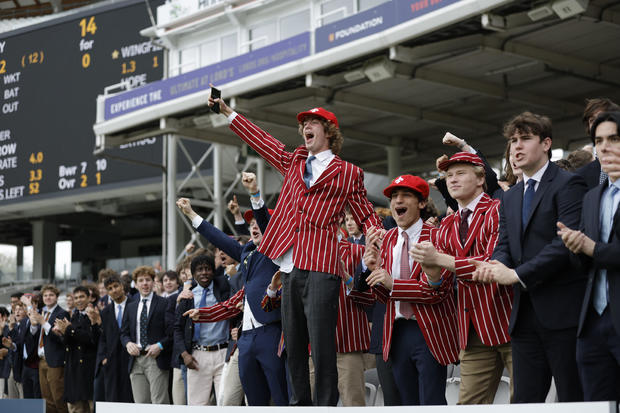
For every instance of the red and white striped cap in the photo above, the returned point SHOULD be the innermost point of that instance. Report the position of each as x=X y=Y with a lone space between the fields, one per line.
x=461 y=157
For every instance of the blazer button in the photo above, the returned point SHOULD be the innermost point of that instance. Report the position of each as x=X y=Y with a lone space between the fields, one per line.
x=80 y=361
x=79 y=348
x=466 y=309
x=296 y=229
x=301 y=210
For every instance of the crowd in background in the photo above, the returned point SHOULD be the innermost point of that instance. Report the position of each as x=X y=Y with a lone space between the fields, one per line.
x=491 y=283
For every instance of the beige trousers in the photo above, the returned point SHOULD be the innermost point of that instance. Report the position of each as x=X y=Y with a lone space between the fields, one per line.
x=481 y=370
x=230 y=392
x=209 y=373
x=178 y=388
x=149 y=383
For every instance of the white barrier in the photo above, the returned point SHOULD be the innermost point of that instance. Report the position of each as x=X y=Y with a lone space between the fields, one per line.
x=590 y=407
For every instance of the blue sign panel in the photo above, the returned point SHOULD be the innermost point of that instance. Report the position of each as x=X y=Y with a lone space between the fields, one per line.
x=355 y=27
x=412 y=9
x=226 y=71
x=22 y=405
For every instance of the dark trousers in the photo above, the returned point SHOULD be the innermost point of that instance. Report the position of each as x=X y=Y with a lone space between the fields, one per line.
x=598 y=358
x=309 y=315
x=391 y=397
x=30 y=383
x=420 y=379
x=261 y=371
x=538 y=354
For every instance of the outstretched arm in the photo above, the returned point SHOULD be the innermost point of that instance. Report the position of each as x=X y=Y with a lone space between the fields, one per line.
x=268 y=147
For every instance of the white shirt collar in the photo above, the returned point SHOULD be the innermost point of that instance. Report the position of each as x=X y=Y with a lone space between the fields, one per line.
x=50 y=310
x=324 y=156
x=148 y=297
x=413 y=232
x=472 y=205
x=537 y=176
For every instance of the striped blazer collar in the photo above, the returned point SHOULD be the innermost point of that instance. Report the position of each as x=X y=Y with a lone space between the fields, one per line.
x=477 y=219
x=328 y=174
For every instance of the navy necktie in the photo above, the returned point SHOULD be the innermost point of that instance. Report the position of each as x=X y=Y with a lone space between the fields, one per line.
x=308 y=171
x=203 y=303
x=527 y=202
x=144 y=319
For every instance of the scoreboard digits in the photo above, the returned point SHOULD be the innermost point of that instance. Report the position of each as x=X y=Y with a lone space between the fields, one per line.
x=48 y=100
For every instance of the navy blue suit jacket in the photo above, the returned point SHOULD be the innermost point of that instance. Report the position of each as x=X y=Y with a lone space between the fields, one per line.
x=18 y=334
x=537 y=254
x=256 y=269
x=53 y=344
x=606 y=255
x=157 y=329
x=591 y=173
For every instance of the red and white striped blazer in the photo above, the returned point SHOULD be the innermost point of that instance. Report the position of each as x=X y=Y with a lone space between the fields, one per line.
x=434 y=309
x=488 y=306
x=308 y=219
x=352 y=330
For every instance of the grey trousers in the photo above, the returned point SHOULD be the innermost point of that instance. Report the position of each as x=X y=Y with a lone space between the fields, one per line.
x=309 y=315
x=149 y=383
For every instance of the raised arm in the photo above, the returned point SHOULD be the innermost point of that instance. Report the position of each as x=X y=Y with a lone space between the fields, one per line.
x=268 y=147
x=211 y=233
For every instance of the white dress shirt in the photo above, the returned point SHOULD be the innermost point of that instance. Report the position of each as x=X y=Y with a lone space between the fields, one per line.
x=149 y=299
x=413 y=232
x=123 y=305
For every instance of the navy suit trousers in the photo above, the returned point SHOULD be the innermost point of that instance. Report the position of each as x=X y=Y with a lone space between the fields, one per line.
x=420 y=379
x=598 y=358
x=261 y=371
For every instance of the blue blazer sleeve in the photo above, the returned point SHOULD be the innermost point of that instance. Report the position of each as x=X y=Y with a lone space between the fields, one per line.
x=220 y=240
x=242 y=229
x=262 y=217
x=489 y=175
x=501 y=252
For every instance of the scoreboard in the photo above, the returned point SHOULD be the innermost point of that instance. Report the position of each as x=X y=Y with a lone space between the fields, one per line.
x=50 y=76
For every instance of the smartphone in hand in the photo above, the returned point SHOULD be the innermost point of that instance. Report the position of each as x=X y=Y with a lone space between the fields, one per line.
x=215 y=94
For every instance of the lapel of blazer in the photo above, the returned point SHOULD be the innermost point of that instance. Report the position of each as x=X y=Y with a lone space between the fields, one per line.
x=512 y=204
x=154 y=302
x=476 y=222
x=388 y=243
x=456 y=220
x=545 y=182
x=597 y=225
x=593 y=225
x=301 y=167
x=328 y=174
x=416 y=268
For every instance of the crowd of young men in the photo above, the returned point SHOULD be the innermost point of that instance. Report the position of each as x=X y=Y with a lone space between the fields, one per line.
x=493 y=286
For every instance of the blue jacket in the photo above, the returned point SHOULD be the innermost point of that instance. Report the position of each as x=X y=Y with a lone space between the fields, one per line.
x=256 y=269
